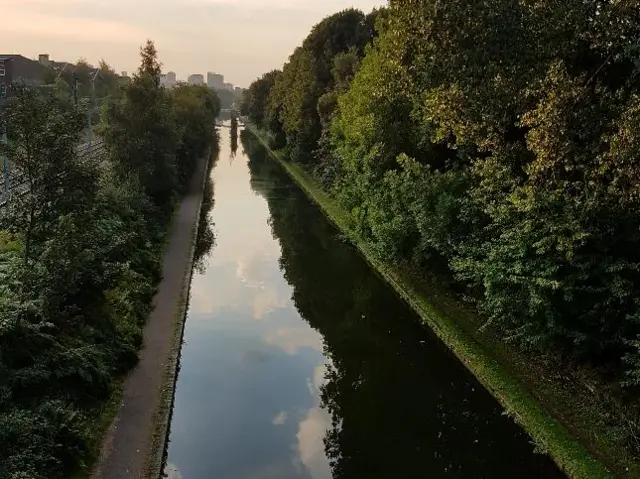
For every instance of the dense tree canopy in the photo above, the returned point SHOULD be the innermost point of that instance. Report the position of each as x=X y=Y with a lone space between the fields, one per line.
x=497 y=142
x=308 y=75
x=256 y=98
x=80 y=250
x=195 y=109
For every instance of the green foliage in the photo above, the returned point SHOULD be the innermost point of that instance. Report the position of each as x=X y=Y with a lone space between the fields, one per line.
x=45 y=161
x=311 y=72
x=345 y=67
x=495 y=141
x=80 y=256
x=196 y=109
x=227 y=98
x=256 y=98
x=142 y=134
x=93 y=84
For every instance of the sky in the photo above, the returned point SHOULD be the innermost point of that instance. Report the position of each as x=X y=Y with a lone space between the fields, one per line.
x=239 y=38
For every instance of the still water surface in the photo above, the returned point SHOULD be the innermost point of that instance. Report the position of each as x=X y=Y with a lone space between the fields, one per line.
x=299 y=362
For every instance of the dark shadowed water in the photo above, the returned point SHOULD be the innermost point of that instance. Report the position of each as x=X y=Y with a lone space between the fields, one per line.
x=299 y=362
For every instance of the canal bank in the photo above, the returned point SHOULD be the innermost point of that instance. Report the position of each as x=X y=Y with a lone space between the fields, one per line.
x=478 y=354
x=133 y=446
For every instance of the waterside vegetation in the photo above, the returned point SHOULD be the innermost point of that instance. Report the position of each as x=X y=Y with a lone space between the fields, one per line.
x=491 y=149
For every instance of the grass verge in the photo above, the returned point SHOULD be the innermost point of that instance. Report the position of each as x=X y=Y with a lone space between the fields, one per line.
x=495 y=366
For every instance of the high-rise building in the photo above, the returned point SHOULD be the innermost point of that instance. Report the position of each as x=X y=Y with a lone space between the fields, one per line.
x=215 y=80
x=228 y=86
x=168 y=79
x=196 y=79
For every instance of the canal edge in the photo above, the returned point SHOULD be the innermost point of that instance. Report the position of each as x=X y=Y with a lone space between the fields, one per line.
x=162 y=418
x=547 y=431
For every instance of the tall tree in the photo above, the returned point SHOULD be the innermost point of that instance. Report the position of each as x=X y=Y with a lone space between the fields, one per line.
x=195 y=109
x=141 y=133
x=50 y=180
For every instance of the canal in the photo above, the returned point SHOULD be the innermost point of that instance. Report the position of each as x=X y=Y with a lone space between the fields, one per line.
x=300 y=362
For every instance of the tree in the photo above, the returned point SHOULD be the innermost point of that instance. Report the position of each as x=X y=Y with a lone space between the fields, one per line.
x=308 y=75
x=106 y=82
x=233 y=132
x=51 y=179
x=141 y=134
x=496 y=140
x=195 y=109
x=150 y=67
x=80 y=255
x=227 y=98
x=256 y=98
x=63 y=94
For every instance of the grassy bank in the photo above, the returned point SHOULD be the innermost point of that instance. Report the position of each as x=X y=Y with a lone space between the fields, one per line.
x=510 y=377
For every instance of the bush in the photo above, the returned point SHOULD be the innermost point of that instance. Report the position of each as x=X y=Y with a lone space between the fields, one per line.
x=80 y=257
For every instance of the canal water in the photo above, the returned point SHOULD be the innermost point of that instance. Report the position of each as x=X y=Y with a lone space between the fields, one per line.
x=299 y=362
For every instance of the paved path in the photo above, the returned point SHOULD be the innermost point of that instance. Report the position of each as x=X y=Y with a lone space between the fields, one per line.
x=129 y=443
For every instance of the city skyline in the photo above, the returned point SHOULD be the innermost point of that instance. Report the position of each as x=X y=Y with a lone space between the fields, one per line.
x=239 y=38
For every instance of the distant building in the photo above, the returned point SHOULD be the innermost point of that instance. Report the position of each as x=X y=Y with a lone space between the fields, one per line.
x=18 y=68
x=168 y=80
x=124 y=74
x=239 y=91
x=43 y=59
x=196 y=79
x=215 y=80
x=228 y=87
x=5 y=76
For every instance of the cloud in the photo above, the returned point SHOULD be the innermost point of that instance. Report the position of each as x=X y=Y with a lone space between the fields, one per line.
x=24 y=21
x=291 y=340
x=280 y=419
x=247 y=284
x=266 y=301
x=312 y=430
x=296 y=5
x=256 y=271
x=45 y=3
x=172 y=472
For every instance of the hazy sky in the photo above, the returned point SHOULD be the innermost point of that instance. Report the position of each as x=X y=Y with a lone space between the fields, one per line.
x=239 y=38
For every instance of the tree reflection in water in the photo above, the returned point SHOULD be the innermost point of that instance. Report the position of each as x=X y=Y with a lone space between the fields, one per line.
x=401 y=404
x=234 y=135
x=206 y=237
